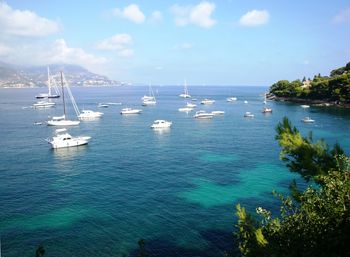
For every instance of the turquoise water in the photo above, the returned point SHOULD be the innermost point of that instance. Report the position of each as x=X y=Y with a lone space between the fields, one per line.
x=177 y=189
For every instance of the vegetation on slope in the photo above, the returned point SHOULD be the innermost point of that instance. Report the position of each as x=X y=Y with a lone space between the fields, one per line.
x=333 y=88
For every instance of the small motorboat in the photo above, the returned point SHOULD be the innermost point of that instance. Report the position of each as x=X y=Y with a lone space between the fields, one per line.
x=62 y=139
x=191 y=105
x=231 y=99
x=185 y=109
x=161 y=124
x=217 y=113
x=267 y=110
x=305 y=106
x=307 y=120
x=207 y=101
x=203 y=115
x=43 y=104
x=248 y=115
x=101 y=105
x=89 y=114
x=130 y=111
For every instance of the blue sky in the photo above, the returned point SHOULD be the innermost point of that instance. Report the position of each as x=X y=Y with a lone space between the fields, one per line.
x=228 y=42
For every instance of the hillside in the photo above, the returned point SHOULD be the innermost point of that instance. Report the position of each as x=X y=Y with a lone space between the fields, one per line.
x=36 y=76
x=332 y=89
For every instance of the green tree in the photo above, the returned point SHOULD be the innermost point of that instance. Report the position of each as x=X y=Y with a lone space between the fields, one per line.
x=318 y=223
x=302 y=155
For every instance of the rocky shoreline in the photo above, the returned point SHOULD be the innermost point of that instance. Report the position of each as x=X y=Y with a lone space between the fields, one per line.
x=311 y=102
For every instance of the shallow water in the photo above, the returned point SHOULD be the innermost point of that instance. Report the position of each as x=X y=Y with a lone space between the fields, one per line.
x=175 y=188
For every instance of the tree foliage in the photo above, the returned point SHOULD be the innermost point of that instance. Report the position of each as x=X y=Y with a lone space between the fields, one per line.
x=334 y=88
x=318 y=222
x=302 y=155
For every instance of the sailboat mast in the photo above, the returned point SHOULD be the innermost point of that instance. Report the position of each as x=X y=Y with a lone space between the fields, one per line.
x=64 y=103
x=48 y=80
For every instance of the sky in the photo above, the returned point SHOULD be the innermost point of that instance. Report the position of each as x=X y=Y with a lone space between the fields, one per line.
x=226 y=42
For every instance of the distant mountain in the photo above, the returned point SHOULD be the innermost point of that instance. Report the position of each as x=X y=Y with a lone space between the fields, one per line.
x=36 y=76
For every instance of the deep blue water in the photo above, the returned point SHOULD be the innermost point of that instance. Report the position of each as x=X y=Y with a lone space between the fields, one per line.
x=176 y=189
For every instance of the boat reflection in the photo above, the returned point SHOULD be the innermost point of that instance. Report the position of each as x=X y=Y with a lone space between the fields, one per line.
x=69 y=153
x=161 y=131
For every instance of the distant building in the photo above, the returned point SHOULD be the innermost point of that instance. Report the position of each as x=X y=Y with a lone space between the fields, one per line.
x=306 y=84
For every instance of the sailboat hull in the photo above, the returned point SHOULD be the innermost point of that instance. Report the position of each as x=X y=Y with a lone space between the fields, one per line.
x=63 y=122
x=53 y=96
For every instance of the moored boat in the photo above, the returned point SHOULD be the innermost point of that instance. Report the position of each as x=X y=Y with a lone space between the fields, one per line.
x=62 y=139
x=161 y=124
x=130 y=111
x=203 y=115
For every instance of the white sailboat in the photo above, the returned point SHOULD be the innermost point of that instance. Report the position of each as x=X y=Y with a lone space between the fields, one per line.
x=150 y=99
x=61 y=120
x=150 y=96
x=51 y=83
x=185 y=94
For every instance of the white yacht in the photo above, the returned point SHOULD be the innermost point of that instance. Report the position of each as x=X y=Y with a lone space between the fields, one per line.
x=207 y=101
x=308 y=120
x=305 y=106
x=217 y=113
x=62 y=139
x=89 y=114
x=231 y=99
x=203 y=115
x=161 y=124
x=43 y=104
x=249 y=115
x=185 y=94
x=130 y=111
x=61 y=120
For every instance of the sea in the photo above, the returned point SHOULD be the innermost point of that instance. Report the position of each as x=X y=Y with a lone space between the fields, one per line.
x=176 y=189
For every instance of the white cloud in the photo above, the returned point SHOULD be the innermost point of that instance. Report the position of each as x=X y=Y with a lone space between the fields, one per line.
x=254 y=18
x=62 y=53
x=184 y=46
x=199 y=15
x=156 y=17
x=343 y=16
x=25 y=23
x=117 y=42
x=131 y=12
x=120 y=43
x=56 y=52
